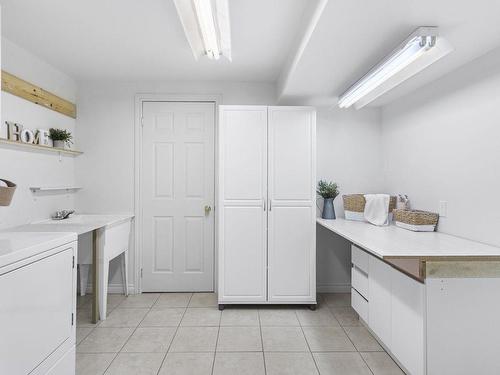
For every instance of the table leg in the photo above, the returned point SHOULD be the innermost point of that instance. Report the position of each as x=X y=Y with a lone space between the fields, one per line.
x=95 y=279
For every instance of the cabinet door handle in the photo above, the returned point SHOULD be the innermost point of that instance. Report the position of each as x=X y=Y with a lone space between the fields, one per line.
x=264 y=201
x=270 y=205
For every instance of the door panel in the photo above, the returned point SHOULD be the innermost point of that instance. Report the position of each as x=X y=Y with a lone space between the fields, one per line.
x=292 y=228
x=164 y=170
x=244 y=155
x=163 y=260
x=291 y=159
x=242 y=195
x=177 y=182
x=290 y=258
x=244 y=267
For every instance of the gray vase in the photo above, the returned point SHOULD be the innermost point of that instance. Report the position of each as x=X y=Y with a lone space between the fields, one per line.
x=59 y=144
x=328 y=209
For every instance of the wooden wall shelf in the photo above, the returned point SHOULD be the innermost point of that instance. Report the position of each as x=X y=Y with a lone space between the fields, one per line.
x=23 y=89
x=41 y=148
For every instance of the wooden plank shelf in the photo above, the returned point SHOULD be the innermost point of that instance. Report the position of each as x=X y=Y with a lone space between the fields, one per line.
x=23 y=89
x=41 y=148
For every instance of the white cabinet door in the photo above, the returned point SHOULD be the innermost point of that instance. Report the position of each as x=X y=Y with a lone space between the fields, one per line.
x=242 y=195
x=379 y=290
x=291 y=181
x=462 y=326
x=36 y=307
x=408 y=322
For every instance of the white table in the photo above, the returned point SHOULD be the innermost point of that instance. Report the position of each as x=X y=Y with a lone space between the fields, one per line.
x=410 y=252
x=443 y=318
x=110 y=238
x=391 y=241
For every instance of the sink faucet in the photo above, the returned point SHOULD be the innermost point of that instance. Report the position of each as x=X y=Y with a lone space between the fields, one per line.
x=62 y=214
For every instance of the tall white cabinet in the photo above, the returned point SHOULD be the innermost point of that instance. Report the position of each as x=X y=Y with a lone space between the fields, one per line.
x=266 y=205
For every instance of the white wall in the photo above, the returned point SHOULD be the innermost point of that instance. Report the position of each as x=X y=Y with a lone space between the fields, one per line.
x=106 y=134
x=29 y=168
x=349 y=153
x=106 y=170
x=443 y=143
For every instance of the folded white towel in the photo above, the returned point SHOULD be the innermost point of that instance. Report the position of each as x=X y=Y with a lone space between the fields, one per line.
x=377 y=208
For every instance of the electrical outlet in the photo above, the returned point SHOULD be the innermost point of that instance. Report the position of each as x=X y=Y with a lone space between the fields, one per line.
x=443 y=208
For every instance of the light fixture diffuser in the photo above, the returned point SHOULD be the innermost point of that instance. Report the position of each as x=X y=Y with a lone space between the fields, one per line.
x=413 y=55
x=206 y=25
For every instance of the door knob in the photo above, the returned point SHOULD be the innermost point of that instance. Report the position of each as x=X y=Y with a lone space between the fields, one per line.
x=207 y=210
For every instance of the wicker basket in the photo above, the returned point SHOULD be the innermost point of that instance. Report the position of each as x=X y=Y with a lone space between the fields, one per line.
x=354 y=202
x=7 y=192
x=354 y=206
x=416 y=220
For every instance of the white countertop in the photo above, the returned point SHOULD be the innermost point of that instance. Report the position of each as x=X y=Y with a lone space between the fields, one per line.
x=79 y=224
x=394 y=242
x=16 y=246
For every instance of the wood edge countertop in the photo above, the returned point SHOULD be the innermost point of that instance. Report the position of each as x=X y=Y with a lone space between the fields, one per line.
x=420 y=255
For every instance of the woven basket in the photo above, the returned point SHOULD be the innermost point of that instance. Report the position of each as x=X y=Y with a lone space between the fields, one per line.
x=356 y=202
x=416 y=220
x=392 y=203
x=354 y=206
x=7 y=192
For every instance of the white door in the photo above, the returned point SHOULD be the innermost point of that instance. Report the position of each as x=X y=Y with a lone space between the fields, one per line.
x=292 y=225
x=177 y=194
x=242 y=196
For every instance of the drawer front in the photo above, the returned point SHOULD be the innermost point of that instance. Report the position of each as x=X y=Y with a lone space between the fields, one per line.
x=360 y=258
x=359 y=281
x=359 y=304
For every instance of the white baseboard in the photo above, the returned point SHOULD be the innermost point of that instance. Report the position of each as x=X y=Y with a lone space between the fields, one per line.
x=117 y=288
x=333 y=288
x=113 y=289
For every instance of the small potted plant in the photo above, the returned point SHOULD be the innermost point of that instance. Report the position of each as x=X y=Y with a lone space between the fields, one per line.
x=328 y=191
x=60 y=137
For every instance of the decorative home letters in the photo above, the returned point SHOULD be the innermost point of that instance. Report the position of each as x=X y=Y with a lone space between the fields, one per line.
x=13 y=131
x=27 y=136
x=42 y=137
x=16 y=132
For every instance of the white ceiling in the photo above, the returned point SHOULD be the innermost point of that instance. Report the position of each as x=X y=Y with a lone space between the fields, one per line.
x=143 y=40
x=352 y=36
x=134 y=39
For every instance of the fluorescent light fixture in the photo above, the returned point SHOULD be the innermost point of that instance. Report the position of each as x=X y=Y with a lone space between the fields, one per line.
x=422 y=48
x=207 y=27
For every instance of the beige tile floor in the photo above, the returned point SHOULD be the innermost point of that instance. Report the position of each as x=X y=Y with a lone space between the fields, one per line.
x=185 y=334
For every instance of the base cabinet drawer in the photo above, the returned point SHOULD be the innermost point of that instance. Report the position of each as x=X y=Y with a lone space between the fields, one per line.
x=359 y=281
x=359 y=304
x=360 y=258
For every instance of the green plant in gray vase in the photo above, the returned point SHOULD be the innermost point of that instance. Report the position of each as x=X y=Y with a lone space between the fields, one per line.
x=328 y=191
x=61 y=137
